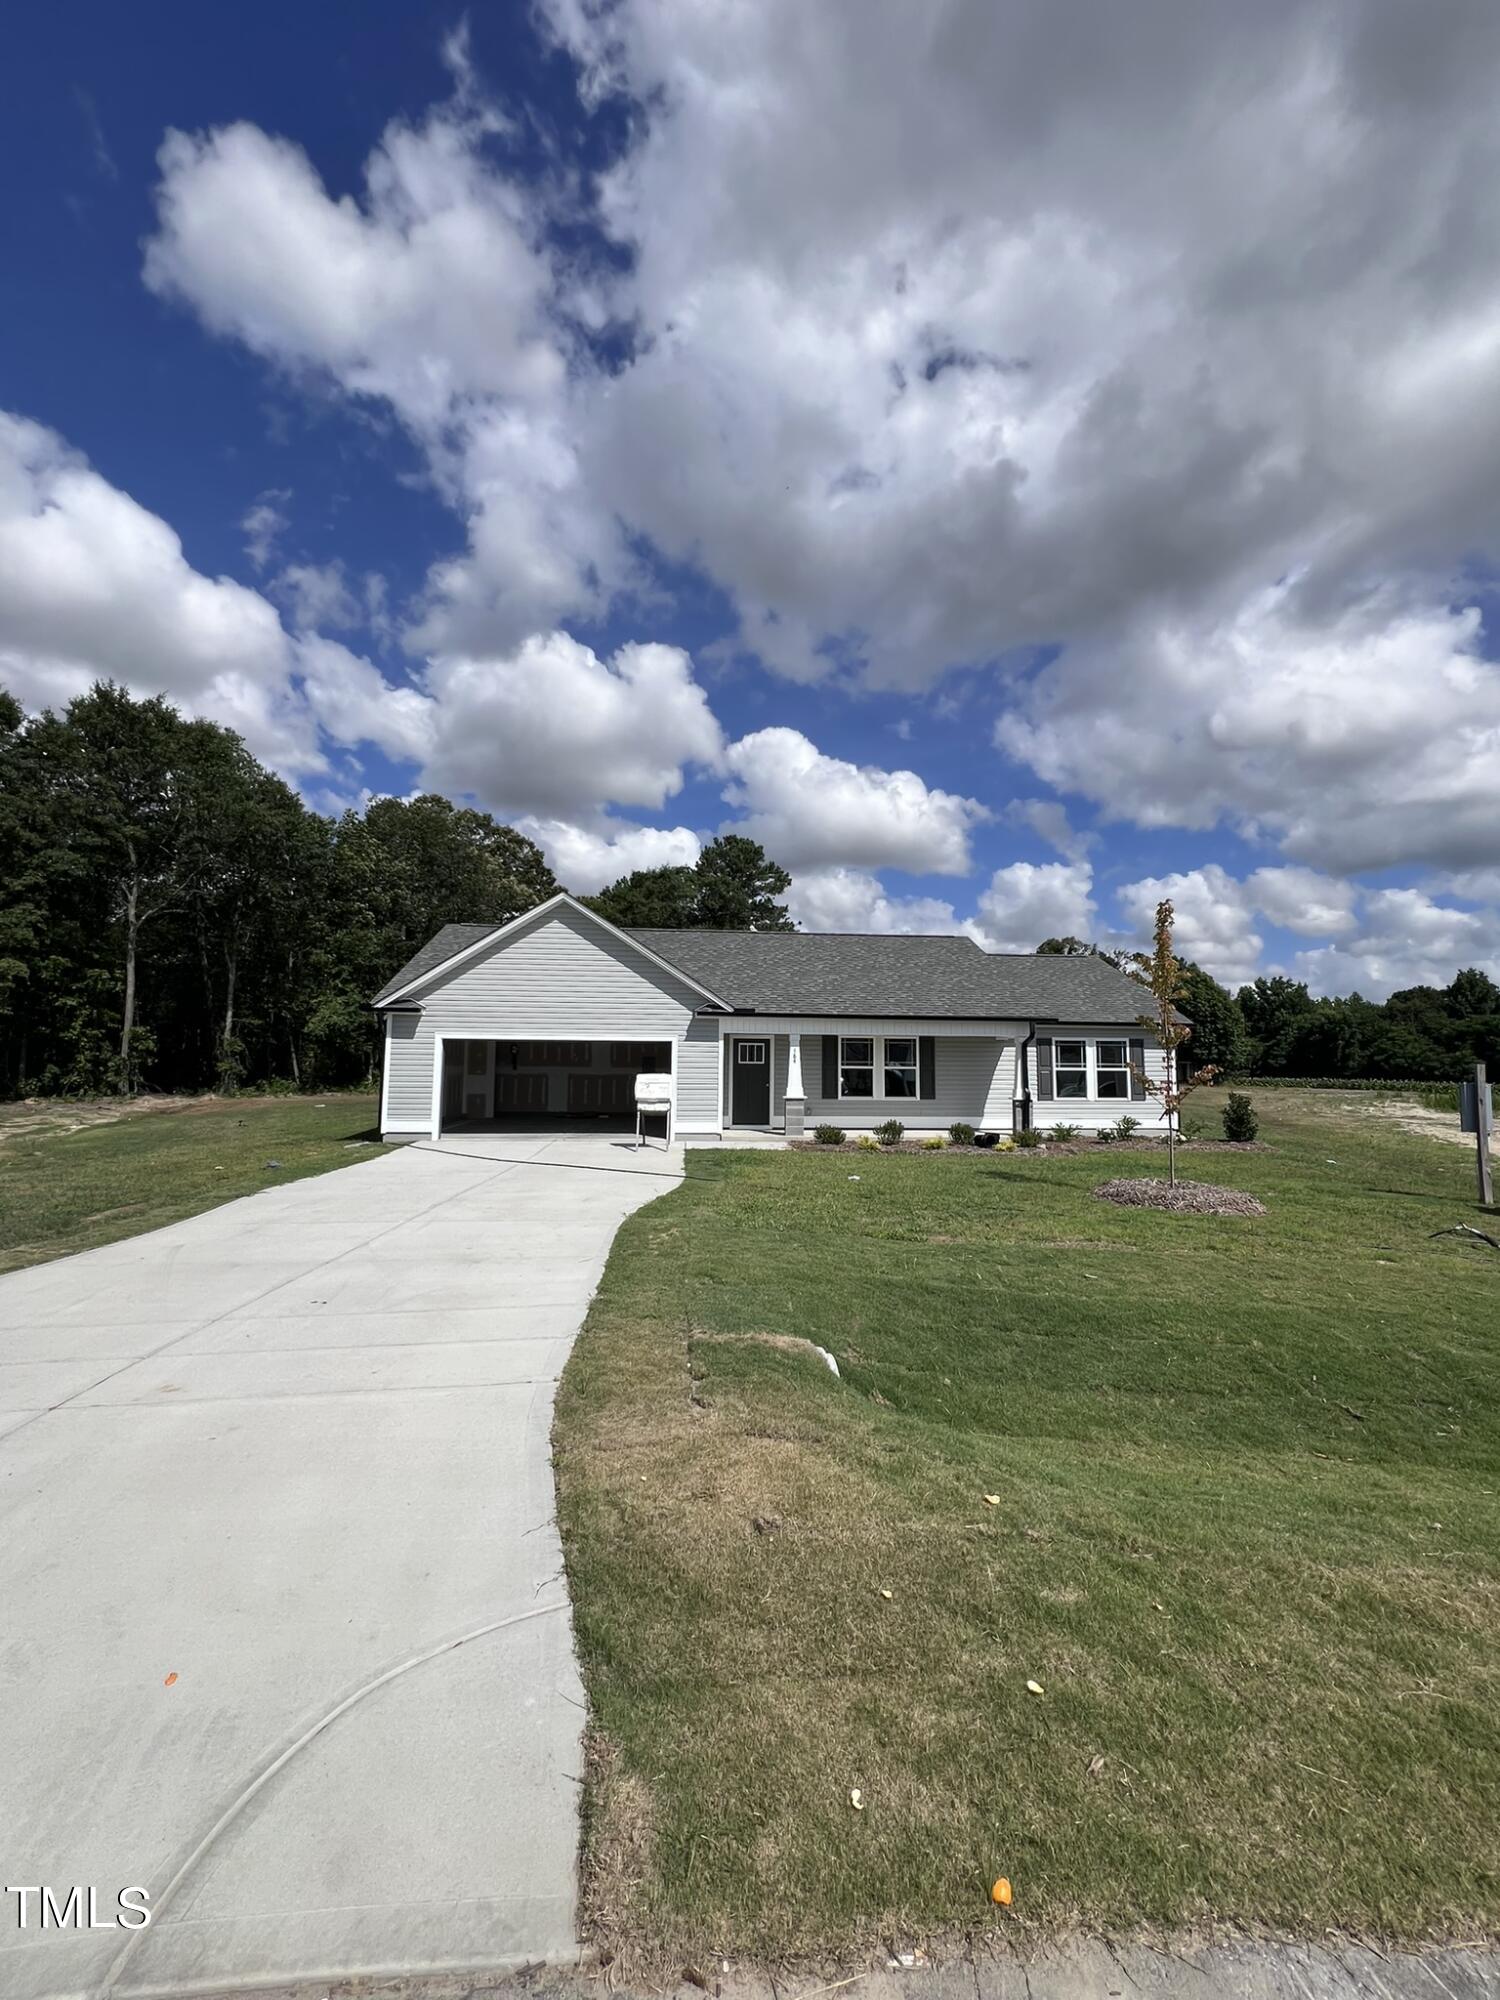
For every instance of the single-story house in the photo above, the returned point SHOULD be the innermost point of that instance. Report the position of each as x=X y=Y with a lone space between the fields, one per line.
x=552 y=1016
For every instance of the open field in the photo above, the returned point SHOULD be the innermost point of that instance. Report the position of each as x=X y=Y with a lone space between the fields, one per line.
x=72 y=1177
x=1246 y=1537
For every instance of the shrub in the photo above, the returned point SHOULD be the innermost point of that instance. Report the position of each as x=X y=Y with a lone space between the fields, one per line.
x=866 y=1144
x=1240 y=1121
x=1063 y=1133
x=1105 y=1136
x=1191 y=1128
x=829 y=1135
x=1028 y=1138
x=1124 y=1127
x=962 y=1135
x=935 y=1144
x=889 y=1134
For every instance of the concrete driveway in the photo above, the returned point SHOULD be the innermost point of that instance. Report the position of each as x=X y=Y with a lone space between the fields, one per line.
x=284 y=1637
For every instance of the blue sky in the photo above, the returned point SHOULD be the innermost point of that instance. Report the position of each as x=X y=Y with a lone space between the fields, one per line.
x=1015 y=473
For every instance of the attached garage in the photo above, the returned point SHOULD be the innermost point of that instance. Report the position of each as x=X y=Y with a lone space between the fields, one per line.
x=546 y=1019
x=516 y=1083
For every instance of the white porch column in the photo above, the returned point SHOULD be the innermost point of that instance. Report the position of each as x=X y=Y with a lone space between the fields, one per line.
x=796 y=1096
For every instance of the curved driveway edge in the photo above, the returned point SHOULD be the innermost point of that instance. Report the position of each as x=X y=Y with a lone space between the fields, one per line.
x=285 y=1637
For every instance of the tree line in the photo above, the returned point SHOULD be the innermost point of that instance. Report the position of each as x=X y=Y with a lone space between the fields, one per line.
x=1275 y=1027
x=174 y=917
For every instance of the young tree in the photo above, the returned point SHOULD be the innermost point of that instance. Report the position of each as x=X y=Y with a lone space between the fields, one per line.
x=1164 y=977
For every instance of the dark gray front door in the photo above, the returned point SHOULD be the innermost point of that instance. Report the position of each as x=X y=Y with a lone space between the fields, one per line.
x=750 y=1091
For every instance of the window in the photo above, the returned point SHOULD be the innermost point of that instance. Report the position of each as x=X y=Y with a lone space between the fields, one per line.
x=750 y=1052
x=890 y=1058
x=1070 y=1069
x=856 y=1066
x=901 y=1067
x=1112 y=1067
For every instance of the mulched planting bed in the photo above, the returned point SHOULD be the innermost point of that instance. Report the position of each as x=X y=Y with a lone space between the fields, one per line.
x=1054 y=1146
x=1186 y=1198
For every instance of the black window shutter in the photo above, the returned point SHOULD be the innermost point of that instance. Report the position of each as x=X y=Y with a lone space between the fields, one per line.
x=1137 y=1062
x=1044 y=1069
x=830 y=1065
x=927 y=1066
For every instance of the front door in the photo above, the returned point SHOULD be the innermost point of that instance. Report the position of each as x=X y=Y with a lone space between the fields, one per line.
x=750 y=1092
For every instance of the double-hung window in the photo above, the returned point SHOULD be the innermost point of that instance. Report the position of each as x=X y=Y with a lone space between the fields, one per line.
x=856 y=1066
x=900 y=1066
x=887 y=1060
x=1112 y=1069
x=1070 y=1069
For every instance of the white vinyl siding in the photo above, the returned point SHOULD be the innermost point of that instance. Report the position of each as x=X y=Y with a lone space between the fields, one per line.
x=408 y=1095
x=698 y=1077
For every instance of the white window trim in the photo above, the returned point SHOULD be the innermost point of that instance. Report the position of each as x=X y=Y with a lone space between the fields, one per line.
x=878 y=1067
x=1091 y=1069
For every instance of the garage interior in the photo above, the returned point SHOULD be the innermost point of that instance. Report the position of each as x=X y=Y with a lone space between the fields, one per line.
x=510 y=1086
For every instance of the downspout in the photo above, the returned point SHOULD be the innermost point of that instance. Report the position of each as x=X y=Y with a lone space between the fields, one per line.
x=1025 y=1060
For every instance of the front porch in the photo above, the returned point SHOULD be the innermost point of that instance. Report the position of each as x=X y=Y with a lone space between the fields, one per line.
x=781 y=1077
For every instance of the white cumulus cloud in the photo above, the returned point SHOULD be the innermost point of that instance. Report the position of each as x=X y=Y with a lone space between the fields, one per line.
x=812 y=810
x=94 y=586
x=1029 y=901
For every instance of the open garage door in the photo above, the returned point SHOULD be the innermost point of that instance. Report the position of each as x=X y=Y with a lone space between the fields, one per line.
x=514 y=1085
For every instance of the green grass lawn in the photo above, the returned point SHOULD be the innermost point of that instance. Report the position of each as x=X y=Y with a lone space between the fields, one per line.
x=62 y=1191
x=1247 y=1538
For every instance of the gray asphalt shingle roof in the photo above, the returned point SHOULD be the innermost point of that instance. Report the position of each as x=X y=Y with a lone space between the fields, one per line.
x=450 y=939
x=823 y=972
x=841 y=973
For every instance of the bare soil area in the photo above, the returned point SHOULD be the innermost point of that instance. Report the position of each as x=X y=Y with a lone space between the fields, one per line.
x=54 y=1117
x=1416 y=1118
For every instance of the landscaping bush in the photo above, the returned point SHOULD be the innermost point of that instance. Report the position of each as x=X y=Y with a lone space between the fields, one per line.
x=866 y=1144
x=1240 y=1122
x=829 y=1135
x=889 y=1134
x=1063 y=1133
x=962 y=1135
x=1029 y=1138
x=935 y=1144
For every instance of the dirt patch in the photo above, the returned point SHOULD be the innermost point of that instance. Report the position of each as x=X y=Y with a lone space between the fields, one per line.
x=1416 y=1118
x=56 y=1117
x=1186 y=1198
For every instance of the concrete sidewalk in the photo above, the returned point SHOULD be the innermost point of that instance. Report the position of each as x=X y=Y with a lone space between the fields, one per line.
x=283 y=1632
